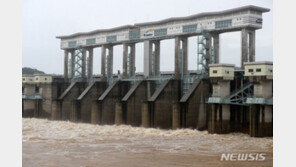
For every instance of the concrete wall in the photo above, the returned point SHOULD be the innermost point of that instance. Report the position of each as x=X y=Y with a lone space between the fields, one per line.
x=265 y=70
x=227 y=72
x=43 y=78
x=133 y=105
x=48 y=92
x=107 y=103
x=91 y=96
x=28 y=108
x=196 y=109
x=69 y=101
x=162 y=107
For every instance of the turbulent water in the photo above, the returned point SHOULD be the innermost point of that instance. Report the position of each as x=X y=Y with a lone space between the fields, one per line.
x=60 y=143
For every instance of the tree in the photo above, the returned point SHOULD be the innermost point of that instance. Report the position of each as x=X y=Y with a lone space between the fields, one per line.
x=31 y=71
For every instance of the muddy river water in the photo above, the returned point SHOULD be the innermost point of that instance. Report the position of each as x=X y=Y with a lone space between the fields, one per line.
x=49 y=143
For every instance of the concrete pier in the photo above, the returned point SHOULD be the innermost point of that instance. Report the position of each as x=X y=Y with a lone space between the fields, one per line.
x=145 y=120
x=176 y=116
x=181 y=59
x=216 y=48
x=194 y=108
x=95 y=116
x=124 y=60
x=147 y=58
x=89 y=96
x=83 y=68
x=66 y=59
x=161 y=103
x=118 y=113
x=90 y=63
x=184 y=62
x=110 y=62
x=247 y=46
x=55 y=110
x=68 y=101
x=252 y=46
x=261 y=105
x=129 y=59
x=221 y=112
x=132 y=63
x=177 y=58
x=220 y=76
x=157 y=57
x=133 y=100
x=103 y=62
x=107 y=101
x=75 y=112
x=72 y=63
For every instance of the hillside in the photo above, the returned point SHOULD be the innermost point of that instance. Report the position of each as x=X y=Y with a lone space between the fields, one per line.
x=28 y=70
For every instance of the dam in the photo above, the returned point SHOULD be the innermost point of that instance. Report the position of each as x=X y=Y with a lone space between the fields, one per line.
x=217 y=97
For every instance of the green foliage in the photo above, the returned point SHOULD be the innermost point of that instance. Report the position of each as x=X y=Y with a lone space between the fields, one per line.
x=28 y=70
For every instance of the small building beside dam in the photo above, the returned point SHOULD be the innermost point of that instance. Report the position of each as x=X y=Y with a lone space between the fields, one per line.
x=219 y=98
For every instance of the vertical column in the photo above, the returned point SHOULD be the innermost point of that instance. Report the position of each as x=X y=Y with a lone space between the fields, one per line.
x=103 y=62
x=212 y=120
x=66 y=65
x=157 y=57
x=90 y=63
x=202 y=108
x=118 y=113
x=124 y=61
x=95 y=117
x=72 y=63
x=176 y=116
x=244 y=47
x=145 y=115
x=252 y=45
x=209 y=49
x=216 y=48
x=147 y=58
x=55 y=110
x=110 y=62
x=133 y=59
x=185 y=55
x=83 y=69
x=177 y=58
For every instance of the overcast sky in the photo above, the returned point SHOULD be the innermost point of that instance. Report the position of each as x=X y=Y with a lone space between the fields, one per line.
x=43 y=20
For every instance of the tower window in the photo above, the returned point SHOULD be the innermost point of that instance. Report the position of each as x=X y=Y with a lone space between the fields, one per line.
x=258 y=70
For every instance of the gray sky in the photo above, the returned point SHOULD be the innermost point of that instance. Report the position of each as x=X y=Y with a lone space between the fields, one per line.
x=43 y=20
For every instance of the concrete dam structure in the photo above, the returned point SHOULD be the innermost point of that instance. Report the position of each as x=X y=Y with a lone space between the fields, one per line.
x=219 y=98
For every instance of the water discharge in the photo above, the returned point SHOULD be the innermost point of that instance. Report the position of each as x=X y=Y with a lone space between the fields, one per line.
x=61 y=143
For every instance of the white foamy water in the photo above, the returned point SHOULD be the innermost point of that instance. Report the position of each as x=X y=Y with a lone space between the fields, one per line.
x=44 y=141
